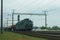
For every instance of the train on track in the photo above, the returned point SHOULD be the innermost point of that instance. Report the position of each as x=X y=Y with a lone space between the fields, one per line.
x=24 y=25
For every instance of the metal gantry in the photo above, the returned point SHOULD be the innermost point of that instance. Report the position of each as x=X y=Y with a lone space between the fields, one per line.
x=29 y=14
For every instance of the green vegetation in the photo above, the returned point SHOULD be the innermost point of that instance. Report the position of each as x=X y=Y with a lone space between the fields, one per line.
x=47 y=28
x=44 y=27
x=15 y=36
x=51 y=28
x=56 y=28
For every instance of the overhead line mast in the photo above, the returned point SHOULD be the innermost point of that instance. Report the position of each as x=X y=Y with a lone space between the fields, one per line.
x=45 y=18
x=1 y=16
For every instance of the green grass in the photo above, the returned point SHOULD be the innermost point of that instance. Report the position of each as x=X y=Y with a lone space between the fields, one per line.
x=15 y=36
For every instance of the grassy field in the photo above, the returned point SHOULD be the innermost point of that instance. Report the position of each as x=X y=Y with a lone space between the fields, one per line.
x=14 y=36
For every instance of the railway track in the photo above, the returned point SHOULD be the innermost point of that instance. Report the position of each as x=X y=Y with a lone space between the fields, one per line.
x=42 y=34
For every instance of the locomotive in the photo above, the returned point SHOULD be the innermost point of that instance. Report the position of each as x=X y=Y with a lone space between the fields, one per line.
x=24 y=25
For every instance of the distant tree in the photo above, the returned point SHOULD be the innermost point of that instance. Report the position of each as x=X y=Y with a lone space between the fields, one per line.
x=55 y=28
x=49 y=28
x=43 y=27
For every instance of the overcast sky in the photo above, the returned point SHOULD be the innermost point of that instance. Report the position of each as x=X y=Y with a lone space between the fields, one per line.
x=35 y=6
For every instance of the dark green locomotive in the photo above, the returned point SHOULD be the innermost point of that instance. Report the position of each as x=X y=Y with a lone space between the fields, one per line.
x=24 y=25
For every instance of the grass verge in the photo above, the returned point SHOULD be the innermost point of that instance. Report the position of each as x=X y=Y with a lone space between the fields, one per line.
x=14 y=36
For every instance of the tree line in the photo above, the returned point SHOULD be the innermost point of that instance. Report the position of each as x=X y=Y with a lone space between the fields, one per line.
x=48 y=28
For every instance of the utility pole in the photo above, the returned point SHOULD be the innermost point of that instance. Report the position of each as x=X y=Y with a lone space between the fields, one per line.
x=45 y=18
x=1 y=16
x=12 y=17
